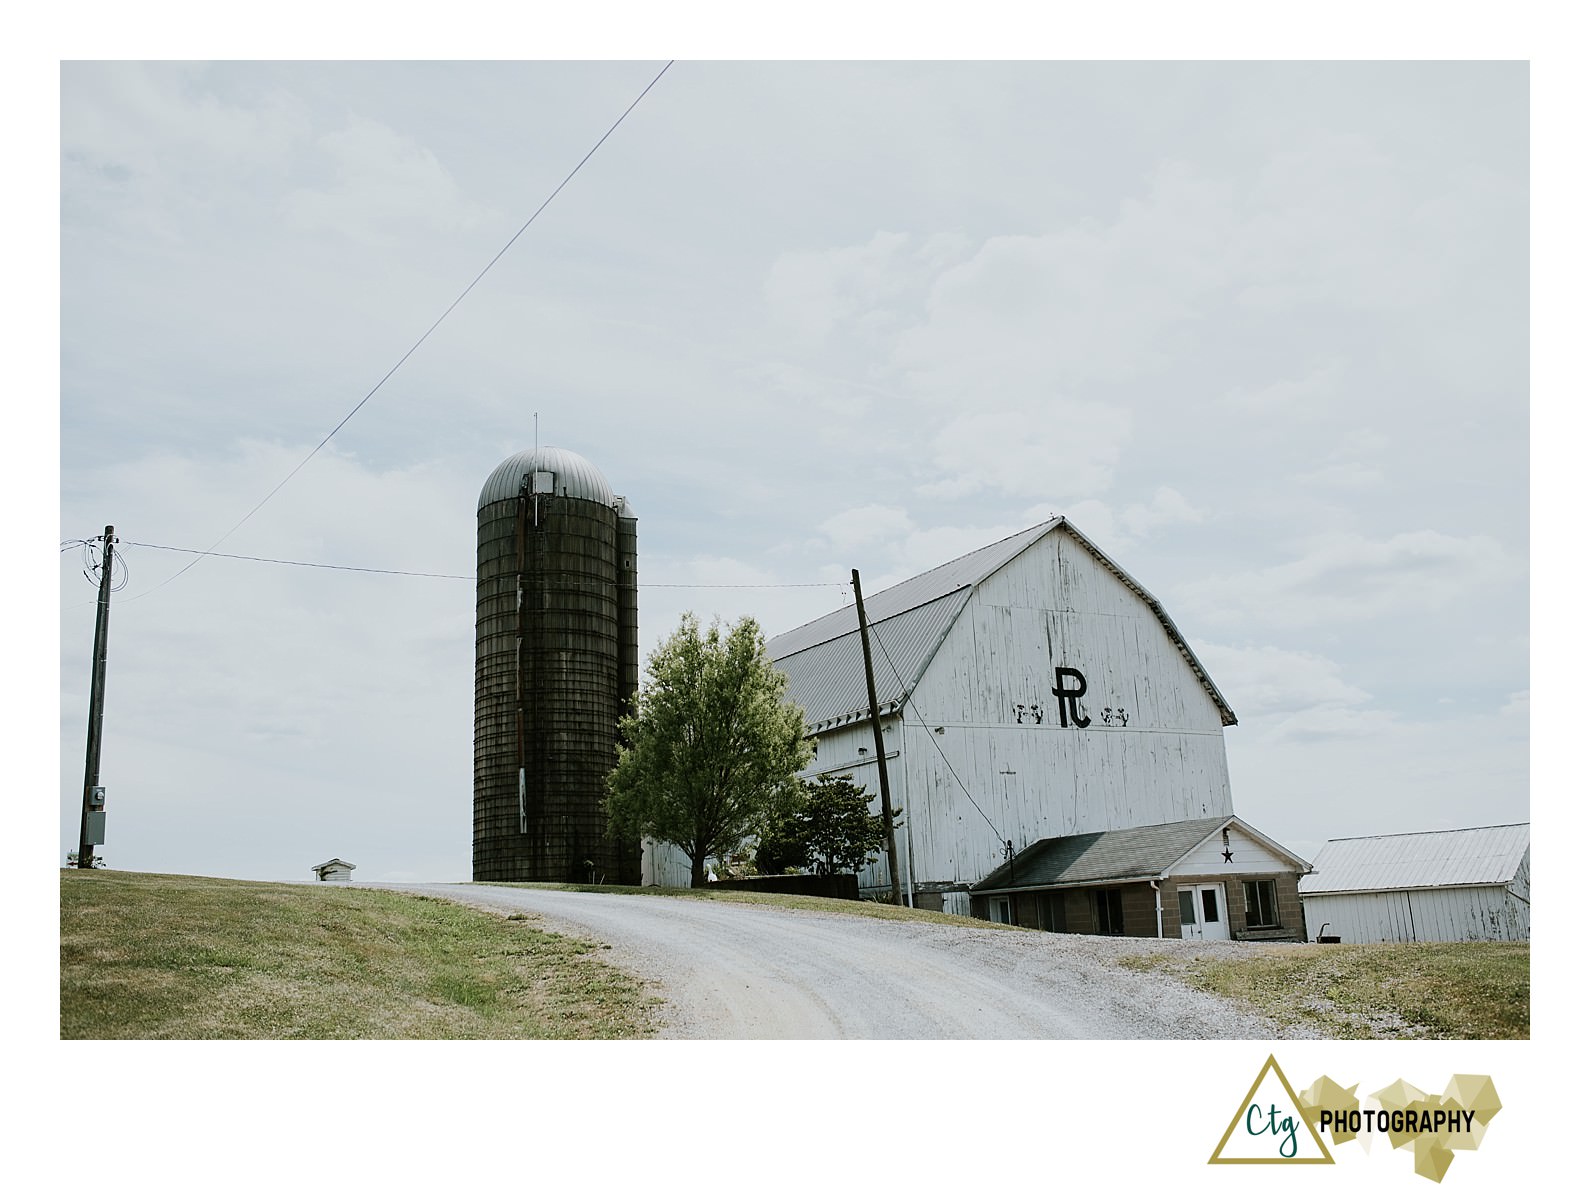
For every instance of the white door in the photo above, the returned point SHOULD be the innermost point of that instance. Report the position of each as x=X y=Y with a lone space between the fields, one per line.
x=1203 y=912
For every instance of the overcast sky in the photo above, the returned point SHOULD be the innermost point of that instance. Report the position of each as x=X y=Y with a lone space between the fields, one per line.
x=1260 y=330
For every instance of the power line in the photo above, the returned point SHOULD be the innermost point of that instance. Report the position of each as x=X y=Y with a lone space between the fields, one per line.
x=422 y=339
x=293 y=562
x=911 y=700
x=717 y=586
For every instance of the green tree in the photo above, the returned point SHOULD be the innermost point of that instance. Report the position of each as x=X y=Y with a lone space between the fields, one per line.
x=711 y=748
x=828 y=828
x=781 y=844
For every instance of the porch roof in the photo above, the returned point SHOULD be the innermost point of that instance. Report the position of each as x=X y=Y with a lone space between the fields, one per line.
x=1113 y=856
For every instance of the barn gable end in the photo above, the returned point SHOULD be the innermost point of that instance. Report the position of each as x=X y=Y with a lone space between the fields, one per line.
x=1031 y=689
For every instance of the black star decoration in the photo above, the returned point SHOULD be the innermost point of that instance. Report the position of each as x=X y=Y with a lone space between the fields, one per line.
x=1227 y=853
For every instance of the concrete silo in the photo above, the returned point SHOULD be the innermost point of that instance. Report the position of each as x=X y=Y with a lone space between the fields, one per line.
x=556 y=662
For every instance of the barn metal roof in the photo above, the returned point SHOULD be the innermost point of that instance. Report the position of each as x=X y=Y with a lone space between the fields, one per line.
x=572 y=474
x=909 y=622
x=1490 y=854
x=830 y=682
x=1115 y=855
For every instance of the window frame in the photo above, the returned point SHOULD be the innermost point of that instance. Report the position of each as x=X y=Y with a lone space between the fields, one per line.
x=1257 y=894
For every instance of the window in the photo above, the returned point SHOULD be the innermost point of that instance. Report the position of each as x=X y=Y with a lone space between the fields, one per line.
x=1188 y=916
x=1052 y=912
x=1258 y=896
x=1107 y=918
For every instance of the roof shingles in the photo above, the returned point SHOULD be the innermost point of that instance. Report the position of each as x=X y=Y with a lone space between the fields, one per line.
x=1145 y=852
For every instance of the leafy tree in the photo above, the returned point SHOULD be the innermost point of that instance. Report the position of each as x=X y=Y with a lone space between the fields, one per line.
x=827 y=828
x=843 y=833
x=781 y=844
x=711 y=747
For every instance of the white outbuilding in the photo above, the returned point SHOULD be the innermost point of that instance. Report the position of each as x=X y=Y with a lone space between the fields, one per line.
x=1453 y=885
x=333 y=871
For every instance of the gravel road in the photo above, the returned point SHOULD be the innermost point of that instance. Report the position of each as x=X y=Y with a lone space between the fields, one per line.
x=727 y=970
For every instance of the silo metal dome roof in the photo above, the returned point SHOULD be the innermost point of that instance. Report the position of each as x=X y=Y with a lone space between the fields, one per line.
x=573 y=476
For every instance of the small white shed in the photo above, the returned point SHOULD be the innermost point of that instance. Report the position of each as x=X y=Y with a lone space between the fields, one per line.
x=334 y=871
x=1453 y=885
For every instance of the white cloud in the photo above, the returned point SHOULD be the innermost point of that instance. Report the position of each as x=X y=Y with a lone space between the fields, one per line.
x=809 y=292
x=1351 y=773
x=1344 y=477
x=1029 y=452
x=1332 y=723
x=864 y=526
x=1348 y=577
x=1306 y=397
x=1266 y=680
x=148 y=150
x=383 y=186
x=1091 y=302
x=1167 y=508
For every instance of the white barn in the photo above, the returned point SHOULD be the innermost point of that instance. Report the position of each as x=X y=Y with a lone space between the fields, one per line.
x=1031 y=689
x=1455 y=885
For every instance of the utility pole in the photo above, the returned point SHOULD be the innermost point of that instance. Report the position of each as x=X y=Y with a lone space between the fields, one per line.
x=92 y=831
x=877 y=739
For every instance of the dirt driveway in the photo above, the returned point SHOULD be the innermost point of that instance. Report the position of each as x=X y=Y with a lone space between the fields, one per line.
x=728 y=970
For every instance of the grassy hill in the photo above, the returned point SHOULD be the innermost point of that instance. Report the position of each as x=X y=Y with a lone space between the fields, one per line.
x=173 y=956
x=1464 y=990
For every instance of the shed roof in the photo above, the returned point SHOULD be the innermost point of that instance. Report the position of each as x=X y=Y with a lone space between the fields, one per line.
x=1145 y=852
x=909 y=622
x=1117 y=855
x=332 y=862
x=1489 y=854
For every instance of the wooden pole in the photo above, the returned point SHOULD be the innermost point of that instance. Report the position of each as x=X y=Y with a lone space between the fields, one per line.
x=877 y=739
x=96 y=702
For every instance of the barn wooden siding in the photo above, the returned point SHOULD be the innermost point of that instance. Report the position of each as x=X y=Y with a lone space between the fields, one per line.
x=1054 y=605
x=554 y=607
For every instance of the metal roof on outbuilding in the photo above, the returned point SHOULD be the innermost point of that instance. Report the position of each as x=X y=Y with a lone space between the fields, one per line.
x=909 y=622
x=1476 y=857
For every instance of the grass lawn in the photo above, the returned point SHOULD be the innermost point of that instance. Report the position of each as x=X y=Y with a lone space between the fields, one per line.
x=173 y=956
x=1476 y=990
